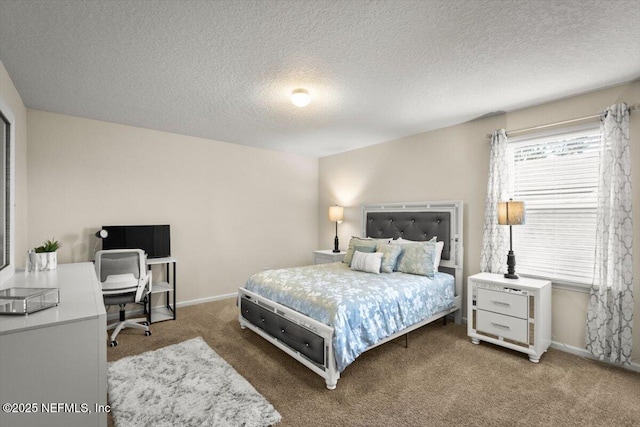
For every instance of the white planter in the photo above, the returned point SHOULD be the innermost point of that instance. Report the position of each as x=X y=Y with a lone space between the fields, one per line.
x=42 y=261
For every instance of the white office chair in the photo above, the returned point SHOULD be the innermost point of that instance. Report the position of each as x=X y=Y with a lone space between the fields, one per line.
x=125 y=279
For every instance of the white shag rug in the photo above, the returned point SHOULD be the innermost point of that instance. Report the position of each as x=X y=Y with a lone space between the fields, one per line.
x=184 y=384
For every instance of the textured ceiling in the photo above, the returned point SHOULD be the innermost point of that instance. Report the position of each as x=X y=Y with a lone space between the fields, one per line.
x=377 y=70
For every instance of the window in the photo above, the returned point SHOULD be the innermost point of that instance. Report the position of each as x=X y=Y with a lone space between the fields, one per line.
x=557 y=178
x=7 y=186
x=5 y=170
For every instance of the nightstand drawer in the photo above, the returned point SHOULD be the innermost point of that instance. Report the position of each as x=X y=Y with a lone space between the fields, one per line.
x=502 y=326
x=507 y=303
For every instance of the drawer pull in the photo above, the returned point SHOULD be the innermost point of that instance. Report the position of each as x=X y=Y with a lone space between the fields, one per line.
x=498 y=325
x=506 y=304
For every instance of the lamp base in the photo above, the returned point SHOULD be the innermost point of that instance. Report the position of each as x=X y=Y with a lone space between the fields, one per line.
x=511 y=266
x=335 y=245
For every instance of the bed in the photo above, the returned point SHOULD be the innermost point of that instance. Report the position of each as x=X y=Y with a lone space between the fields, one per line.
x=326 y=315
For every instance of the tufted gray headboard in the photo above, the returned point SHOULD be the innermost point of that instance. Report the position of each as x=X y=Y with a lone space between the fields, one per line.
x=411 y=226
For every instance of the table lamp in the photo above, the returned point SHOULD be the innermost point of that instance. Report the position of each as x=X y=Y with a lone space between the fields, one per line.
x=336 y=213
x=511 y=213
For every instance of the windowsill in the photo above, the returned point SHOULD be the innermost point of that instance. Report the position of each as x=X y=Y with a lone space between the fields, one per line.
x=564 y=286
x=572 y=287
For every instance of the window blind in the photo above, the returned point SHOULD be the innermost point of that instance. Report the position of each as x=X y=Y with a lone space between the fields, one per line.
x=557 y=178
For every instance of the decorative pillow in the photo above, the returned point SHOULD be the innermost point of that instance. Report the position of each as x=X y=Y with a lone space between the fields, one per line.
x=367 y=262
x=390 y=255
x=437 y=254
x=418 y=258
x=358 y=241
x=365 y=249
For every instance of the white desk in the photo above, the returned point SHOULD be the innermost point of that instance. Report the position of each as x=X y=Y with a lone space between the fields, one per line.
x=57 y=355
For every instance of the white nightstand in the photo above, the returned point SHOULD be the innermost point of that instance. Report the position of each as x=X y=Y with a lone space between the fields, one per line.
x=513 y=313
x=326 y=256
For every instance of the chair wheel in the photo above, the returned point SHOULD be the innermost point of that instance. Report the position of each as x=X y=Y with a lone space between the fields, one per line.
x=113 y=343
x=145 y=323
x=147 y=333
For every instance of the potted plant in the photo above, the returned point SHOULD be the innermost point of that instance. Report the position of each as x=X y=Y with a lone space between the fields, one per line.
x=45 y=257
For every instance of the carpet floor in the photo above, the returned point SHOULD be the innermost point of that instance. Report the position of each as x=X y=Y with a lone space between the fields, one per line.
x=442 y=379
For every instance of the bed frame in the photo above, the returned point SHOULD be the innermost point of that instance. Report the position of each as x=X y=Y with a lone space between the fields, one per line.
x=311 y=342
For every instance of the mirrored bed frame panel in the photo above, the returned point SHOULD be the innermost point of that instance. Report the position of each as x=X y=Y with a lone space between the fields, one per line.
x=311 y=342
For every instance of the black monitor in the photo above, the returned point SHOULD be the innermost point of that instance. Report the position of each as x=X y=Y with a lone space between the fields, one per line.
x=153 y=239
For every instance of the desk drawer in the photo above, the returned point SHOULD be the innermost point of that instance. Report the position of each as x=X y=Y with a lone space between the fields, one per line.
x=502 y=326
x=502 y=302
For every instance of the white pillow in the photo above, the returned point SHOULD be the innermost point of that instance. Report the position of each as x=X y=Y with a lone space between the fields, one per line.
x=437 y=256
x=401 y=241
x=367 y=262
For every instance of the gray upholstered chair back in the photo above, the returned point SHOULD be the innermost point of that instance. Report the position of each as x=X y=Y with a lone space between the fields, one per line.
x=119 y=263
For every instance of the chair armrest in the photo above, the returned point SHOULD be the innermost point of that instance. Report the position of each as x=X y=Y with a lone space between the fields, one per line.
x=145 y=284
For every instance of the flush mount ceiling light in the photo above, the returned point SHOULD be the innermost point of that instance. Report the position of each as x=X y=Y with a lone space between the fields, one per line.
x=300 y=97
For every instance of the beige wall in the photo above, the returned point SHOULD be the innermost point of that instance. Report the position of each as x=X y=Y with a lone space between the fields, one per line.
x=233 y=210
x=453 y=163
x=11 y=97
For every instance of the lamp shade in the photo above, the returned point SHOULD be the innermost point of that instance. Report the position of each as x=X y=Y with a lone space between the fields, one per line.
x=336 y=213
x=511 y=213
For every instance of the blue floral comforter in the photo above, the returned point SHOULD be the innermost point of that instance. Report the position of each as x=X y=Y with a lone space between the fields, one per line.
x=363 y=308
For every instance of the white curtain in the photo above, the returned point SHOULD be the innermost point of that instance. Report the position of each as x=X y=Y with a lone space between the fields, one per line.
x=495 y=239
x=610 y=314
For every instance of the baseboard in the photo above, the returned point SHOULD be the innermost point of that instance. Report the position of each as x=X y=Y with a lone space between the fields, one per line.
x=114 y=316
x=586 y=355
x=207 y=299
